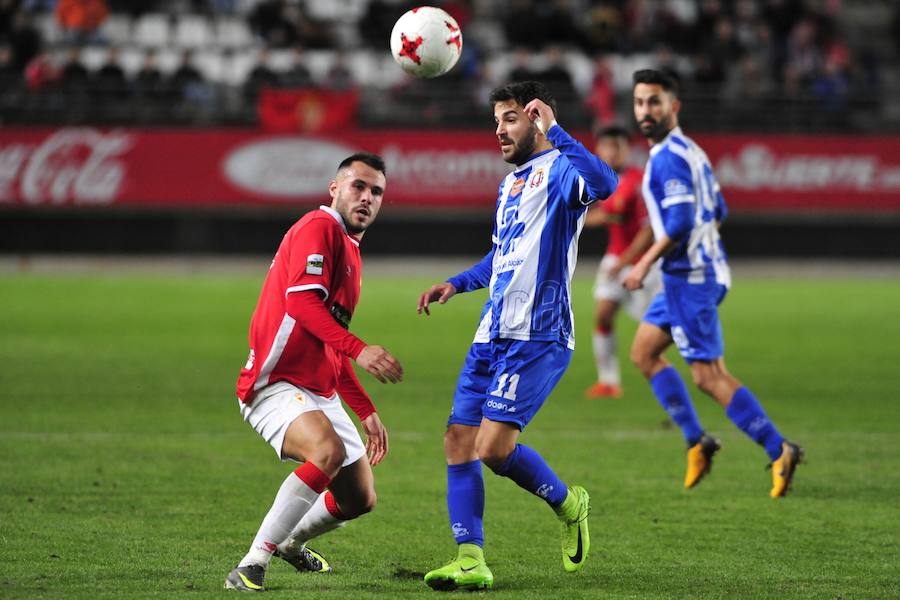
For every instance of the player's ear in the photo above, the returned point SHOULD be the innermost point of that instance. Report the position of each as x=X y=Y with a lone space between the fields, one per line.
x=676 y=105
x=333 y=188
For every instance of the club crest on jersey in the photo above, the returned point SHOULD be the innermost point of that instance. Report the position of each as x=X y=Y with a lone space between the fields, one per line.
x=517 y=186
x=537 y=178
x=314 y=264
x=301 y=398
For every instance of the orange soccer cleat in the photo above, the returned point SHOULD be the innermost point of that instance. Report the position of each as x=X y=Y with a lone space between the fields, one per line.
x=603 y=390
x=699 y=459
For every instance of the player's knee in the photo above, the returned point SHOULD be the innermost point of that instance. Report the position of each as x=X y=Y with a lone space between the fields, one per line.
x=642 y=359
x=360 y=505
x=458 y=441
x=329 y=454
x=493 y=456
x=705 y=380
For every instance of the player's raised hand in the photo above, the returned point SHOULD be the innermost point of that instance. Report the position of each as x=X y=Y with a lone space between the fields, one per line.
x=379 y=362
x=376 y=438
x=539 y=112
x=439 y=293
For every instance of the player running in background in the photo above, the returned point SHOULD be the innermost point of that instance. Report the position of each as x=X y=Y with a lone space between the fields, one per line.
x=686 y=208
x=299 y=370
x=526 y=335
x=625 y=218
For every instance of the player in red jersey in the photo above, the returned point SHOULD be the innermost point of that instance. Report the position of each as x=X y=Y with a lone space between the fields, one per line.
x=299 y=370
x=625 y=217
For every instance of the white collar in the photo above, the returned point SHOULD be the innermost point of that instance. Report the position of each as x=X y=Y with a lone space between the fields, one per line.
x=538 y=157
x=337 y=217
x=658 y=146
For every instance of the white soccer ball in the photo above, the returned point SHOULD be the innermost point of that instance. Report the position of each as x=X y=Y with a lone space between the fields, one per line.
x=426 y=41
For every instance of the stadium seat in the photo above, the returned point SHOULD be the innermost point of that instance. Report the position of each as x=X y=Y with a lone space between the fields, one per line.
x=231 y=32
x=117 y=29
x=193 y=31
x=152 y=30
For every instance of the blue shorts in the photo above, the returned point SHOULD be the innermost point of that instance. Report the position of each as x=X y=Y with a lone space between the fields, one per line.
x=689 y=312
x=507 y=380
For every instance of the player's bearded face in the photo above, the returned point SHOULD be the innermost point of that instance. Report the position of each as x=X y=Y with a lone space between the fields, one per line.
x=516 y=133
x=655 y=110
x=356 y=195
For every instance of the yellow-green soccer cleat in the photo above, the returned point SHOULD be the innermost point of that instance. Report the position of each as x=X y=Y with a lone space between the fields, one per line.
x=783 y=469
x=246 y=579
x=464 y=573
x=306 y=560
x=699 y=460
x=576 y=540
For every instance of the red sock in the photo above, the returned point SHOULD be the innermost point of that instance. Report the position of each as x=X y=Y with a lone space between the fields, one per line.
x=312 y=476
x=333 y=508
x=603 y=330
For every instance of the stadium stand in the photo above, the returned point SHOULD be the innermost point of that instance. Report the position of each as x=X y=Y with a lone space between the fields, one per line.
x=824 y=65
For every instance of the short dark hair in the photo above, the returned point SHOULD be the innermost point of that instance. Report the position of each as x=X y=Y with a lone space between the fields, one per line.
x=373 y=160
x=523 y=92
x=664 y=78
x=613 y=131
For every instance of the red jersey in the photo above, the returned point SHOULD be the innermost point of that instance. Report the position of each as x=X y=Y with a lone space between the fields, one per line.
x=627 y=203
x=318 y=255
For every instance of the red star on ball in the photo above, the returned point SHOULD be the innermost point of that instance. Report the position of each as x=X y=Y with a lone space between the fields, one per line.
x=454 y=37
x=410 y=47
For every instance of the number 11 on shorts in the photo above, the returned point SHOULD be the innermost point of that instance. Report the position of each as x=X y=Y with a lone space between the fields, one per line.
x=511 y=390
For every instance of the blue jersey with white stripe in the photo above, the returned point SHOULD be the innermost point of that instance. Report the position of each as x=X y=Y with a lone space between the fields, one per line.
x=541 y=208
x=684 y=202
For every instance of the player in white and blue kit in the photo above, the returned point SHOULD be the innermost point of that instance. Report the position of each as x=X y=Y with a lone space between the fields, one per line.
x=526 y=334
x=686 y=207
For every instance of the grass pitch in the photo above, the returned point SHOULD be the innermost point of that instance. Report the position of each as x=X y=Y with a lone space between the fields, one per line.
x=125 y=469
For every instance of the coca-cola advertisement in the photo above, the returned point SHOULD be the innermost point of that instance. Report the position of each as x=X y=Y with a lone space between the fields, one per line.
x=426 y=169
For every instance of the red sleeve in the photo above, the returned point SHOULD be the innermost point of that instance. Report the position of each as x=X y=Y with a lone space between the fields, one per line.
x=352 y=392
x=306 y=308
x=311 y=261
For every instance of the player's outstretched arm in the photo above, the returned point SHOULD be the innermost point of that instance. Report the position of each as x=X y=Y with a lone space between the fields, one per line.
x=376 y=438
x=599 y=178
x=380 y=364
x=439 y=293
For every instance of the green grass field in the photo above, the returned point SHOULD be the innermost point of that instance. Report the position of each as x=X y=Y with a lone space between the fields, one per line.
x=125 y=469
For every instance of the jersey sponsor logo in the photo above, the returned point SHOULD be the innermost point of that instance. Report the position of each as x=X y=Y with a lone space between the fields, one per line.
x=544 y=490
x=675 y=187
x=500 y=406
x=517 y=187
x=314 y=264
x=537 y=178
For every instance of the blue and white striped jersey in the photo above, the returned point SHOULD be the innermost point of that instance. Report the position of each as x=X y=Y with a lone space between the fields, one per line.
x=685 y=203
x=540 y=212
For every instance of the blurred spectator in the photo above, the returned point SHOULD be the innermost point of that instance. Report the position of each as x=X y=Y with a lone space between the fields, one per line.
x=298 y=76
x=10 y=76
x=41 y=74
x=601 y=102
x=260 y=76
x=804 y=58
x=605 y=27
x=24 y=40
x=522 y=26
x=522 y=70
x=74 y=77
x=81 y=19
x=282 y=24
x=110 y=81
x=557 y=77
x=339 y=77
x=377 y=22
x=148 y=82
x=721 y=51
x=187 y=82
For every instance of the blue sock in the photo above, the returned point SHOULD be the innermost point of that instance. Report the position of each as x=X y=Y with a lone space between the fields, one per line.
x=669 y=389
x=465 y=502
x=529 y=470
x=746 y=412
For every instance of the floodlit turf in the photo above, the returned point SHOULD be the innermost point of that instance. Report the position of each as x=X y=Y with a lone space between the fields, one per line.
x=126 y=471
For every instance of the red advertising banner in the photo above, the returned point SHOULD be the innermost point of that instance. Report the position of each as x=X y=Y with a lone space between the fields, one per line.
x=426 y=169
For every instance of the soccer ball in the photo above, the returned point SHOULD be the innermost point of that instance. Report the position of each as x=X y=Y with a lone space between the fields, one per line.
x=426 y=42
